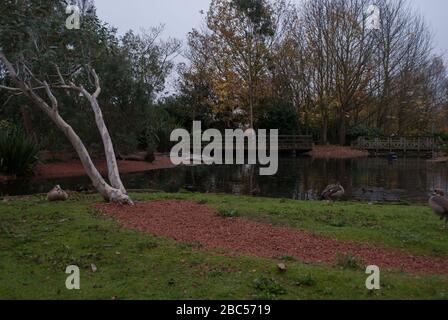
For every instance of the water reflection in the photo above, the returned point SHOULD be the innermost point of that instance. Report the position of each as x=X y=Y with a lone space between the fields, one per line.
x=369 y=179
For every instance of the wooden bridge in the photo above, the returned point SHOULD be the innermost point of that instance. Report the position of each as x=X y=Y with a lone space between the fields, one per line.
x=300 y=144
x=403 y=145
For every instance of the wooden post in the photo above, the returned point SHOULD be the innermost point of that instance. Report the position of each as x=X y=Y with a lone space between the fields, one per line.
x=418 y=146
x=404 y=141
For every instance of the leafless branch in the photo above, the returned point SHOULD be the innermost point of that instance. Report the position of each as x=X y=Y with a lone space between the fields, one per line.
x=97 y=84
x=61 y=78
x=54 y=101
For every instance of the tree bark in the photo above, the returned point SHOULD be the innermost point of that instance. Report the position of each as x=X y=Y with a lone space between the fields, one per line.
x=109 y=193
x=115 y=193
x=111 y=159
x=342 y=129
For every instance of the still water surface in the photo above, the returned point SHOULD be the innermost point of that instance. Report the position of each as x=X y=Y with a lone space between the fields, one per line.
x=368 y=179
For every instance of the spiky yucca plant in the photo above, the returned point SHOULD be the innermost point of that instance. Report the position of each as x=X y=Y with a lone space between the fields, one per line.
x=18 y=153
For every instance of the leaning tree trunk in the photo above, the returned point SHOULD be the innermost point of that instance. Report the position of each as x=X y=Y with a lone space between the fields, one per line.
x=109 y=193
x=111 y=159
x=114 y=193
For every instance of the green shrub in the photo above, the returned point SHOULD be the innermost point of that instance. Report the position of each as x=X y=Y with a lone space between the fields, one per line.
x=18 y=154
x=348 y=261
x=268 y=288
x=158 y=128
x=441 y=135
x=363 y=131
x=306 y=281
x=278 y=114
x=5 y=125
x=227 y=213
x=150 y=154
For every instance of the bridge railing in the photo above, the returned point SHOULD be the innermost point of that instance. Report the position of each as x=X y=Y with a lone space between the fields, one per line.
x=398 y=144
x=285 y=142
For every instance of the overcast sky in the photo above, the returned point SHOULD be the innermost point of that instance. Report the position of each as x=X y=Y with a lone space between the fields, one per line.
x=180 y=16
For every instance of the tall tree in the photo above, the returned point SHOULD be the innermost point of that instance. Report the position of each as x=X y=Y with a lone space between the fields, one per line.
x=29 y=73
x=236 y=47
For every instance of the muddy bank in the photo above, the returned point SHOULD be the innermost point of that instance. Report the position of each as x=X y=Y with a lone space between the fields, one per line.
x=7 y=178
x=337 y=152
x=440 y=159
x=74 y=168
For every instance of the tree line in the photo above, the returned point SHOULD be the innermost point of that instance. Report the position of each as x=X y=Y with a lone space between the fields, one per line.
x=132 y=69
x=310 y=67
x=317 y=68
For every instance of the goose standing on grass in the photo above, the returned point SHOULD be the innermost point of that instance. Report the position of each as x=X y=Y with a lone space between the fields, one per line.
x=333 y=192
x=57 y=194
x=439 y=204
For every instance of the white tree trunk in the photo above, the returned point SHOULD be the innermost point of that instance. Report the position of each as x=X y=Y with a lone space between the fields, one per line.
x=112 y=166
x=115 y=192
x=109 y=193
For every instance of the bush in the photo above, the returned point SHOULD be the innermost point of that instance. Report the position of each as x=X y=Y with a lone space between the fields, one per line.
x=227 y=213
x=18 y=154
x=348 y=261
x=306 y=281
x=158 y=131
x=279 y=115
x=442 y=136
x=268 y=288
x=150 y=154
x=363 y=131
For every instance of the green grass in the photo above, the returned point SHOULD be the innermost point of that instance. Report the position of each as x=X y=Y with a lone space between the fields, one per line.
x=38 y=240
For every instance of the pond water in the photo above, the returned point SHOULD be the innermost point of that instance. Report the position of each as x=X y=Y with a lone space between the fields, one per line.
x=367 y=179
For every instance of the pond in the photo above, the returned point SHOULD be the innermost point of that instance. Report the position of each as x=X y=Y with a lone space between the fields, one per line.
x=366 y=179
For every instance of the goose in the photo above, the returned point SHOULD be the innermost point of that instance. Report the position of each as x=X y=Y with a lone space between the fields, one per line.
x=57 y=194
x=439 y=204
x=333 y=192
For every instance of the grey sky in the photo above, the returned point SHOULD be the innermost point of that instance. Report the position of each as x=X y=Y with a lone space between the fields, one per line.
x=180 y=16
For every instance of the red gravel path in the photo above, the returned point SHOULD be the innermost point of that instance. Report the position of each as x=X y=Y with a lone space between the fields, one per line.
x=190 y=222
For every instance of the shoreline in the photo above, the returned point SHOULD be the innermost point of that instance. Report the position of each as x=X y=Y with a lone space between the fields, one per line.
x=74 y=168
x=68 y=167
x=441 y=159
x=337 y=152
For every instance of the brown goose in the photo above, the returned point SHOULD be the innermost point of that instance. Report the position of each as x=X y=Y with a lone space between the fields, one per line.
x=57 y=194
x=333 y=192
x=439 y=204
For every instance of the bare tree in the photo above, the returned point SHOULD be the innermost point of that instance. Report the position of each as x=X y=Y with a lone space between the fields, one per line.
x=402 y=49
x=350 y=75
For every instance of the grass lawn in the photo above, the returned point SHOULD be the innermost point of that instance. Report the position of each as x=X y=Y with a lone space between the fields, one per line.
x=38 y=240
